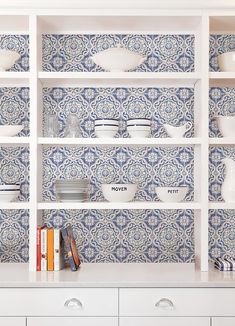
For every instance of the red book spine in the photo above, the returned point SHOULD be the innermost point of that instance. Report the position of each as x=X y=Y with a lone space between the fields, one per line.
x=39 y=228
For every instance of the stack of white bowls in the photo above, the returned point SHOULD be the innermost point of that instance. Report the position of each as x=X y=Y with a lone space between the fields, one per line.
x=9 y=193
x=106 y=128
x=72 y=190
x=139 y=127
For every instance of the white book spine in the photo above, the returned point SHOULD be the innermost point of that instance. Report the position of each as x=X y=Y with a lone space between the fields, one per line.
x=44 y=250
x=57 y=250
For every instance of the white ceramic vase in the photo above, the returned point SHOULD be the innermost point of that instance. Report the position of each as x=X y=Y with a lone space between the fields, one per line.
x=228 y=187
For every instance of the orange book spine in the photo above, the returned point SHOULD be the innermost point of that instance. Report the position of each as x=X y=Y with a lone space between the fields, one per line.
x=50 y=249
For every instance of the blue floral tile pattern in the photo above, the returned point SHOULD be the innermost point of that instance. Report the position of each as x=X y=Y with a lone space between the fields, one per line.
x=146 y=166
x=20 y=44
x=221 y=233
x=221 y=102
x=217 y=170
x=14 y=168
x=174 y=106
x=129 y=236
x=14 y=107
x=220 y=43
x=14 y=236
x=73 y=52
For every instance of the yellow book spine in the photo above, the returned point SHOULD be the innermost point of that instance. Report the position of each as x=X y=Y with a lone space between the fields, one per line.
x=50 y=249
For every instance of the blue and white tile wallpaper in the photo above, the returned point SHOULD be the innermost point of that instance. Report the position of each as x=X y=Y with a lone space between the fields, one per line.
x=129 y=235
x=162 y=105
x=221 y=233
x=219 y=43
x=148 y=167
x=20 y=44
x=14 y=107
x=73 y=52
x=14 y=168
x=14 y=236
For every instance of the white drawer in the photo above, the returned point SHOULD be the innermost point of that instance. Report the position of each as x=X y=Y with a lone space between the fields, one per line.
x=223 y=321
x=59 y=302
x=72 y=321
x=177 y=302
x=12 y=321
x=163 y=321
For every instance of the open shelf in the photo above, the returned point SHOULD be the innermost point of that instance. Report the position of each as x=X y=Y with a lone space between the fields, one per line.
x=108 y=205
x=14 y=140
x=15 y=205
x=119 y=141
x=221 y=205
x=222 y=141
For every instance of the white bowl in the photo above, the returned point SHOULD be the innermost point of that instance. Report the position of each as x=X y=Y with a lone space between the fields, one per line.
x=226 y=125
x=171 y=194
x=10 y=130
x=106 y=122
x=227 y=61
x=9 y=187
x=8 y=196
x=138 y=121
x=115 y=192
x=106 y=131
x=138 y=131
x=7 y=59
x=118 y=59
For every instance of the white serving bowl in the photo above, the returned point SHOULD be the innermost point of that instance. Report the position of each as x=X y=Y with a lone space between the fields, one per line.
x=106 y=131
x=7 y=59
x=8 y=195
x=10 y=130
x=106 y=122
x=9 y=187
x=226 y=125
x=171 y=194
x=139 y=131
x=115 y=192
x=118 y=59
x=227 y=61
x=138 y=122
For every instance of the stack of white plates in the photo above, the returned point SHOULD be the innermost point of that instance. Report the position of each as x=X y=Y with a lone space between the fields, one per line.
x=106 y=128
x=72 y=190
x=9 y=193
x=139 y=127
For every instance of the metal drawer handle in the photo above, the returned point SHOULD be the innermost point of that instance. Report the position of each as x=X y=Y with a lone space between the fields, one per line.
x=73 y=304
x=165 y=304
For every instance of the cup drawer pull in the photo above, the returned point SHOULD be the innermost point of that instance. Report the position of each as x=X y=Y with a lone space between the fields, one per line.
x=164 y=304
x=73 y=304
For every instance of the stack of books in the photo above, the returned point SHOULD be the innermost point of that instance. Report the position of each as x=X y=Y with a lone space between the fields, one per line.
x=225 y=264
x=50 y=249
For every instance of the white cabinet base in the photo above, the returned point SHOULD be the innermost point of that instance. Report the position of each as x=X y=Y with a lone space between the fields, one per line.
x=223 y=321
x=163 y=321
x=72 y=321
x=12 y=321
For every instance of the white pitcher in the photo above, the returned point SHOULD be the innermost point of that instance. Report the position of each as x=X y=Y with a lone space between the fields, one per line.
x=178 y=131
x=228 y=187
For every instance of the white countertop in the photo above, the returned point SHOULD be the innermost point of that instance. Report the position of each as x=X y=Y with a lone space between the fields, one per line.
x=116 y=275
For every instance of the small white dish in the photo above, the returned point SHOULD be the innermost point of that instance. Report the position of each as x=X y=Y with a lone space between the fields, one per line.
x=171 y=194
x=115 y=192
x=9 y=187
x=8 y=195
x=118 y=59
x=227 y=61
x=106 y=131
x=138 y=122
x=177 y=132
x=10 y=130
x=226 y=125
x=8 y=59
x=138 y=131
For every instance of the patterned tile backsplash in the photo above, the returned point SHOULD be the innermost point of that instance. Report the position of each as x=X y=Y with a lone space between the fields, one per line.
x=20 y=44
x=148 y=167
x=14 y=236
x=162 y=105
x=129 y=236
x=73 y=52
x=219 y=43
x=14 y=107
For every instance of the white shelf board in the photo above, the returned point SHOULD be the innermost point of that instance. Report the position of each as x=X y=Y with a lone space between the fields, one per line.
x=118 y=78
x=219 y=79
x=222 y=141
x=119 y=141
x=221 y=205
x=14 y=140
x=15 y=205
x=108 y=205
x=12 y=78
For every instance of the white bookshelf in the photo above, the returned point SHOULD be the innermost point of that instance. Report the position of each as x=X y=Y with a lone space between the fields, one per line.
x=198 y=22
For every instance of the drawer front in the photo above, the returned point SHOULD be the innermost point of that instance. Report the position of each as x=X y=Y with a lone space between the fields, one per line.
x=177 y=302
x=163 y=321
x=72 y=321
x=59 y=302
x=12 y=321
x=223 y=321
